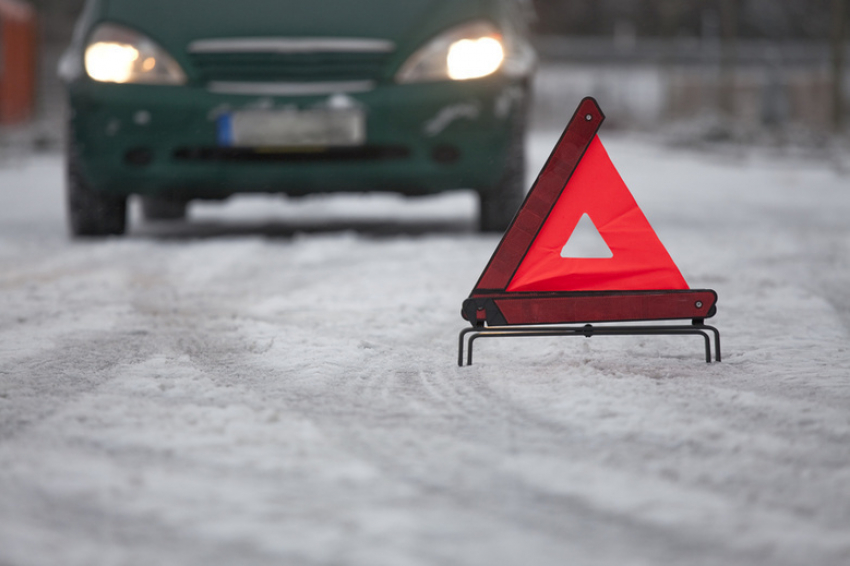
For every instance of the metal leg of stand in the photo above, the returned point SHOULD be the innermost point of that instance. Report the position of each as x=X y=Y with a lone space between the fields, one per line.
x=587 y=331
x=460 y=345
x=716 y=341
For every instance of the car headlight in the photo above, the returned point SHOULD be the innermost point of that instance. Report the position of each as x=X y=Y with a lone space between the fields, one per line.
x=116 y=54
x=470 y=51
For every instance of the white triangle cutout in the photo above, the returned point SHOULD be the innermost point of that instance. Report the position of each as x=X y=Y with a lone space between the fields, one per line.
x=586 y=242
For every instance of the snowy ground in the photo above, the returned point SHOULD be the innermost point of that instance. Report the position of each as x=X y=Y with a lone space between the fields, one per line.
x=275 y=383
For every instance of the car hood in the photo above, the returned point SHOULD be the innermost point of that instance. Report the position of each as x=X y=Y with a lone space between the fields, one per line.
x=176 y=24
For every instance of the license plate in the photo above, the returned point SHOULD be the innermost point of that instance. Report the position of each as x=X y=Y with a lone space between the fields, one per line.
x=292 y=128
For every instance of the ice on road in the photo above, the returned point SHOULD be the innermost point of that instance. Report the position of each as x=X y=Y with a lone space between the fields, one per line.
x=275 y=383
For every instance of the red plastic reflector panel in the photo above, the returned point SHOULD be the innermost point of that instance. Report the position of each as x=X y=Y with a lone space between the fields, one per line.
x=639 y=262
x=613 y=307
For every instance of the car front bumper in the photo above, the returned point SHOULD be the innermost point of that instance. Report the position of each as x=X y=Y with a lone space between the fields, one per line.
x=420 y=139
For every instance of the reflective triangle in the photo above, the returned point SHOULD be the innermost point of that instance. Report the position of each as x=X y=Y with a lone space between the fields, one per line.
x=639 y=261
x=586 y=242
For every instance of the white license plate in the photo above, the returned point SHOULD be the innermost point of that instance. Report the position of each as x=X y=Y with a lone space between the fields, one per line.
x=292 y=128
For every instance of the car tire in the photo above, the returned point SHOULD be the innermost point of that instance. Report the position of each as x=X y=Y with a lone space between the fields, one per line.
x=160 y=208
x=91 y=212
x=498 y=205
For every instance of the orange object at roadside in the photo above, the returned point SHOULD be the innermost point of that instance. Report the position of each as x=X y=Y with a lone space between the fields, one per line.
x=17 y=61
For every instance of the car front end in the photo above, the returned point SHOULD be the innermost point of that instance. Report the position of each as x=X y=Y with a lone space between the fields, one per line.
x=279 y=97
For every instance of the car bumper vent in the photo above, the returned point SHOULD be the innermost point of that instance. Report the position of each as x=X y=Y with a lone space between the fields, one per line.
x=285 y=155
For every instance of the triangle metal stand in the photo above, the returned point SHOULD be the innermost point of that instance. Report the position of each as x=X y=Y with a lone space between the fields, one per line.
x=468 y=336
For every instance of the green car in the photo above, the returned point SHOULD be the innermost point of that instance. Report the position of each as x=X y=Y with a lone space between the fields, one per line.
x=203 y=99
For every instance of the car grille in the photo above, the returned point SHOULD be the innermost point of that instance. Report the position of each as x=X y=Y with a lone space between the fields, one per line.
x=240 y=154
x=289 y=67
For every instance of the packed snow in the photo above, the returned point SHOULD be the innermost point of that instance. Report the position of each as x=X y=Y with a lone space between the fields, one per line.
x=275 y=382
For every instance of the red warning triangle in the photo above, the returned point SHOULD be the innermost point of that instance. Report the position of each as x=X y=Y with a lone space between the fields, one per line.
x=639 y=260
x=533 y=277
x=579 y=178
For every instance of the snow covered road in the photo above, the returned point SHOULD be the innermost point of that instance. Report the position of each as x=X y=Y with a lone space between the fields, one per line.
x=275 y=383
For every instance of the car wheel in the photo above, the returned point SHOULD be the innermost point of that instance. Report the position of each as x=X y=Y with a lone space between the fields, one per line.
x=91 y=212
x=160 y=208
x=499 y=204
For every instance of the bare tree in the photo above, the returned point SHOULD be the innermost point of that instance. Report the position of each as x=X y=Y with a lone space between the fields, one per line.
x=839 y=32
x=729 y=18
x=669 y=15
